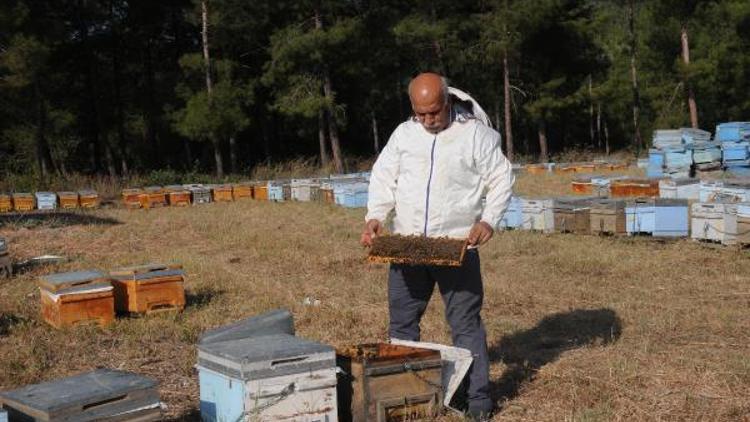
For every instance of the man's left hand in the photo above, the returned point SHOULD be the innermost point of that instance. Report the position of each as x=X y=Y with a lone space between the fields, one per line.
x=480 y=233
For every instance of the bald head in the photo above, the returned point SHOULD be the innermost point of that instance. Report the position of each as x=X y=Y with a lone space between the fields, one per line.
x=428 y=93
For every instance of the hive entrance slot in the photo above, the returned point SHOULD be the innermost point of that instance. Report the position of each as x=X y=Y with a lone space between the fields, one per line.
x=104 y=402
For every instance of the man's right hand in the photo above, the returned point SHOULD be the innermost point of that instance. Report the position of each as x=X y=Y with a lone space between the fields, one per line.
x=372 y=230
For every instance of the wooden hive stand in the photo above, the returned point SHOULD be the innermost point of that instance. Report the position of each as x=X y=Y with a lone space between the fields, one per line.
x=68 y=200
x=76 y=298
x=150 y=288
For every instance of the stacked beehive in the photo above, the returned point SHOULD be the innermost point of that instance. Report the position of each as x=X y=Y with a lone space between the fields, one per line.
x=673 y=150
x=735 y=146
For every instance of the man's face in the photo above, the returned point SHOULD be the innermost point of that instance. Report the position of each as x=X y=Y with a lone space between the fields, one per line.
x=434 y=115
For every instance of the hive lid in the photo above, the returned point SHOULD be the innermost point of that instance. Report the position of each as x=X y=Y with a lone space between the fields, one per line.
x=279 y=321
x=87 y=396
x=132 y=191
x=22 y=195
x=147 y=272
x=45 y=194
x=66 y=193
x=265 y=356
x=87 y=192
x=60 y=281
x=671 y=202
x=154 y=189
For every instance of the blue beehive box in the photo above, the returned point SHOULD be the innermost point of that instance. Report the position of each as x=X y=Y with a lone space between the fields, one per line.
x=707 y=153
x=275 y=191
x=671 y=218
x=640 y=216
x=3 y=416
x=738 y=171
x=512 y=218
x=277 y=377
x=735 y=151
x=733 y=131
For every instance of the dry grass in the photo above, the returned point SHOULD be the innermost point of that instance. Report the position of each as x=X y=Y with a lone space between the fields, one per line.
x=580 y=327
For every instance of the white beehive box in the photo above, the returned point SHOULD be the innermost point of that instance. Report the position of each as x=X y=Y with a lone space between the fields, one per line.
x=714 y=222
x=538 y=215
x=682 y=188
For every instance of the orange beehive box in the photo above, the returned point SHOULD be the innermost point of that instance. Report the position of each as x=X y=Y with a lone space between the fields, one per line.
x=6 y=203
x=222 y=193
x=242 y=190
x=177 y=196
x=77 y=297
x=156 y=196
x=149 y=288
x=564 y=168
x=328 y=196
x=260 y=191
x=88 y=198
x=68 y=200
x=536 y=168
x=585 y=168
x=582 y=186
x=134 y=198
x=23 y=202
x=634 y=188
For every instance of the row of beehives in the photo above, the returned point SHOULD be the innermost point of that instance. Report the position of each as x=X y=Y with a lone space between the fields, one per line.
x=721 y=190
x=582 y=167
x=258 y=369
x=94 y=297
x=24 y=202
x=346 y=190
x=726 y=223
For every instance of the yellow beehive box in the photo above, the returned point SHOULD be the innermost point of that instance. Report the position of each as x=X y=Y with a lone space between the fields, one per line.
x=6 y=203
x=88 y=198
x=23 y=201
x=68 y=200
x=222 y=193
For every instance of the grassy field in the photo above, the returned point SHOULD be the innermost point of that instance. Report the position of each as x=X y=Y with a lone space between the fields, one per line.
x=581 y=328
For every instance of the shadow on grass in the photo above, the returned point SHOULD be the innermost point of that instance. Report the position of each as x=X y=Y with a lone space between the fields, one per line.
x=526 y=351
x=7 y=321
x=202 y=297
x=194 y=415
x=54 y=219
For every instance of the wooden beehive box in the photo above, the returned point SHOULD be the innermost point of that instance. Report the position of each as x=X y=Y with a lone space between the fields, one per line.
x=222 y=193
x=134 y=198
x=537 y=215
x=607 y=216
x=388 y=382
x=199 y=194
x=68 y=200
x=743 y=223
x=101 y=395
x=286 y=191
x=582 y=185
x=76 y=298
x=89 y=199
x=156 y=197
x=633 y=188
x=23 y=202
x=585 y=167
x=716 y=222
x=260 y=191
x=177 y=196
x=417 y=250
x=149 y=288
x=537 y=169
x=242 y=191
x=572 y=215
x=6 y=203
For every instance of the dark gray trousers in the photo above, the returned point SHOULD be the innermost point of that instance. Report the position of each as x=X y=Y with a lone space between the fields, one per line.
x=409 y=291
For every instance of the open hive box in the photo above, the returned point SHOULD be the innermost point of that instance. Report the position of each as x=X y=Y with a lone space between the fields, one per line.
x=389 y=383
x=417 y=250
x=6 y=203
x=88 y=198
x=68 y=200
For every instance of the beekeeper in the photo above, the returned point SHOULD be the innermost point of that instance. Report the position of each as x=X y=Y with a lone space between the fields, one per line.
x=433 y=174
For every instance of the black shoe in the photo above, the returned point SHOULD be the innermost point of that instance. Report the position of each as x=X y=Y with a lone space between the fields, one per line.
x=478 y=415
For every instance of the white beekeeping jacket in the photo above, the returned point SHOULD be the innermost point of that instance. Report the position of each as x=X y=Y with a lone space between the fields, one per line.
x=435 y=182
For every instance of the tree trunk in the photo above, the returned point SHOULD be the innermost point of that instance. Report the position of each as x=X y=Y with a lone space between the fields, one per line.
x=592 y=138
x=690 y=94
x=110 y=159
x=209 y=87
x=151 y=132
x=322 y=140
x=507 y=110
x=43 y=155
x=599 y=126
x=542 y=130
x=606 y=137
x=637 y=141
x=232 y=154
x=375 y=134
x=188 y=154
x=333 y=131
x=121 y=141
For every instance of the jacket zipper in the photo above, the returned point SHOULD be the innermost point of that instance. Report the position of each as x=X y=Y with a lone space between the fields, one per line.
x=429 y=182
